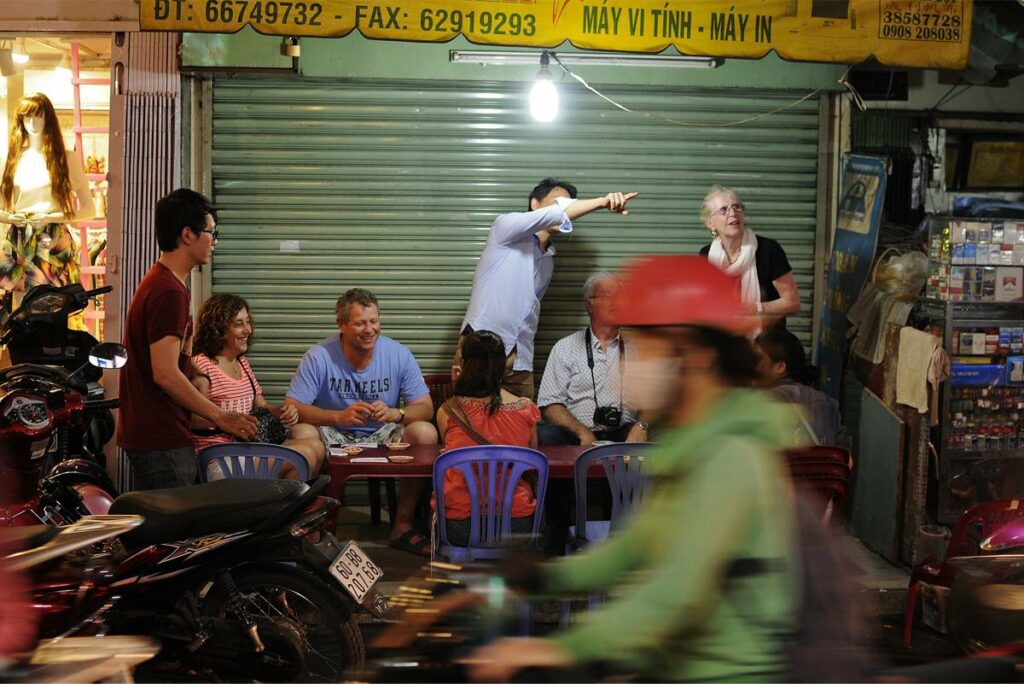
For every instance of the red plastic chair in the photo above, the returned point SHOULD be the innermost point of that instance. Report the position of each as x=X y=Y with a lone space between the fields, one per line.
x=824 y=471
x=975 y=525
x=440 y=386
x=821 y=454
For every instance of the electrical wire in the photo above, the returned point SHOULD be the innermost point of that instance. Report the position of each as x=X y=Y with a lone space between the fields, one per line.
x=691 y=124
x=949 y=92
x=969 y=86
x=857 y=99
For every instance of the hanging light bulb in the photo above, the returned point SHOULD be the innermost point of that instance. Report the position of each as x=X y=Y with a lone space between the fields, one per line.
x=544 y=95
x=18 y=53
x=64 y=68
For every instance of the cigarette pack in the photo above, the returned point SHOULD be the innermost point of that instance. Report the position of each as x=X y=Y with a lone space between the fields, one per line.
x=1015 y=370
x=957 y=254
x=971 y=253
x=1009 y=285
x=1010 y=233
x=978 y=375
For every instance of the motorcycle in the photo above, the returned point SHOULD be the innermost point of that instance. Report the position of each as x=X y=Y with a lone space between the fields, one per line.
x=450 y=611
x=40 y=406
x=54 y=419
x=38 y=552
x=37 y=332
x=235 y=578
x=443 y=614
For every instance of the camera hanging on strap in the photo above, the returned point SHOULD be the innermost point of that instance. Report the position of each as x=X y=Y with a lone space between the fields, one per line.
x=609 y=417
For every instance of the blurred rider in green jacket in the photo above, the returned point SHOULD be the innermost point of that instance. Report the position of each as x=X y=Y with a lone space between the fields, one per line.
x=703 y=579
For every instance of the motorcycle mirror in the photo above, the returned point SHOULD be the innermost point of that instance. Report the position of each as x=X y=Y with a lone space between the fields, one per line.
x=108 y=355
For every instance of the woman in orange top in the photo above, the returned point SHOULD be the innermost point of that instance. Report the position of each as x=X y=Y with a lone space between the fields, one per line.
x=495 y=414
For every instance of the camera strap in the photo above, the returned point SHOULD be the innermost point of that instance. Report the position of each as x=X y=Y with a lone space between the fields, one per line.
x=590 y=362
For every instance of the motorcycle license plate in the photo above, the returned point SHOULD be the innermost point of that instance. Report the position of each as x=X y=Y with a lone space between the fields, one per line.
x=355 y=571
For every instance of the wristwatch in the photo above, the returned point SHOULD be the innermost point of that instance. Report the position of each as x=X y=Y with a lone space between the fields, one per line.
x=644 y=425
x=401 y=415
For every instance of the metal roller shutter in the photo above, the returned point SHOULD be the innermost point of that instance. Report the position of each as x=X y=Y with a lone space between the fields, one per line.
x=393 y=186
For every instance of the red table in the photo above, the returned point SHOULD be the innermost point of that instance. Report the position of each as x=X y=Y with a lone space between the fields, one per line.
x=561 y=462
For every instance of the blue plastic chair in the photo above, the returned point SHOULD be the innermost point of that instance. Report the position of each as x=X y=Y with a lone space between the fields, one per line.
x=251 y=460
x=491 y=474
x=624 y=468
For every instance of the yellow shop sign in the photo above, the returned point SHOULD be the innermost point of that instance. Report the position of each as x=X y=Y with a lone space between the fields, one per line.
x=920 y=33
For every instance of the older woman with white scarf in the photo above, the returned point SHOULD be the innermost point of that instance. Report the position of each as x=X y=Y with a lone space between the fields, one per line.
x=767 y=285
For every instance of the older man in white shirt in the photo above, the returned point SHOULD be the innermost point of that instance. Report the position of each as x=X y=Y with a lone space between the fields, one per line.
x=581 y=390
x=581 y=400
x=515 y=269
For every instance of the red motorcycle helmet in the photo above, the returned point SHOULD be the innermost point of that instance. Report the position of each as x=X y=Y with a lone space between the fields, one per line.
x=669 y=290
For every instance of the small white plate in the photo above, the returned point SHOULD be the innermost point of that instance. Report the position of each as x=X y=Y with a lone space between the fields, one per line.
x=398 y=446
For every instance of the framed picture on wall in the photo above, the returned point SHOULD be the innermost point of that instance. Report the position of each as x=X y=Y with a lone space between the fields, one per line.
x=996 y=164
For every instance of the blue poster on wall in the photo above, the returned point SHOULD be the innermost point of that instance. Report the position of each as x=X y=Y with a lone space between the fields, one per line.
x=853 y=251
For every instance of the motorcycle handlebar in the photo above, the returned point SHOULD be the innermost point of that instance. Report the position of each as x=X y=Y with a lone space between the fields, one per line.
x=98 y=404
x=98 y=291
x=84 y=297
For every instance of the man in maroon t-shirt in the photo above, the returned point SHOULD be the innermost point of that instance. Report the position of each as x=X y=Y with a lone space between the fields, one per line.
x=156 y=395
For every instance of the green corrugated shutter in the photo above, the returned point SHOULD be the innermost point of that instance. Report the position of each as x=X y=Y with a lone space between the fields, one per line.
x=393 y=186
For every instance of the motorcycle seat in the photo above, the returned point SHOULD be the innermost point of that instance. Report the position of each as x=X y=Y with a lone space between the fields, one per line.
x=219 y=506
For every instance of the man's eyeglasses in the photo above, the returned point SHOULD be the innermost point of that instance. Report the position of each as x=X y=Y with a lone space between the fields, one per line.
x=214 y=233
x=737 y=208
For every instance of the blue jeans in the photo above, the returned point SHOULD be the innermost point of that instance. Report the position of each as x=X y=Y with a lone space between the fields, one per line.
x=162 y=469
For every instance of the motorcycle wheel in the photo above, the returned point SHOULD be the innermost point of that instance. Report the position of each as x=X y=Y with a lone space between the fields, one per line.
x=315 y=638
x=984 y=615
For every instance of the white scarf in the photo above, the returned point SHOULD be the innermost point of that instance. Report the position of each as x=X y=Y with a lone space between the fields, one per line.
x=743 y=268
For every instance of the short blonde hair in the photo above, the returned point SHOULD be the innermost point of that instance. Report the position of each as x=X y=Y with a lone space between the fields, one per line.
x=705 y=211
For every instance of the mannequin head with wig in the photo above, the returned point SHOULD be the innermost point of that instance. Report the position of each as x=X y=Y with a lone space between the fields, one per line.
x=51 y=145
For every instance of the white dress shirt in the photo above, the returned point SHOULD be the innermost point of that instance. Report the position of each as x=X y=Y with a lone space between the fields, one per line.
x=512 y=276
x=567 y=380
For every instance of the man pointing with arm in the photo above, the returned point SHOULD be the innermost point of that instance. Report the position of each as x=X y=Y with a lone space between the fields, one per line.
x=515 y=270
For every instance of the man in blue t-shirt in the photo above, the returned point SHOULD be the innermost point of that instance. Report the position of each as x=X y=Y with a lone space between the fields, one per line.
x=351 y=386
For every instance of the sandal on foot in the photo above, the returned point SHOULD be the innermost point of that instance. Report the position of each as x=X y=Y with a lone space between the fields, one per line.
x=412 y=542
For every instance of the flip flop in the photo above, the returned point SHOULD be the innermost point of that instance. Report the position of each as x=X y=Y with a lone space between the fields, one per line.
x=406 y=543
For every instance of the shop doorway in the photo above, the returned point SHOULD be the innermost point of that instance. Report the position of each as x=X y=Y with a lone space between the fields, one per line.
x=72 y=72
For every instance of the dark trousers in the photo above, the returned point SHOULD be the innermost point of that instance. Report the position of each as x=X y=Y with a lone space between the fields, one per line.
x=162 y=469
x=458 y=530
x=560 y=500
x=556 y=435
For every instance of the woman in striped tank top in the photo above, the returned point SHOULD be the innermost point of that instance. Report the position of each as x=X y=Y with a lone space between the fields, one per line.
x=223 y=375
